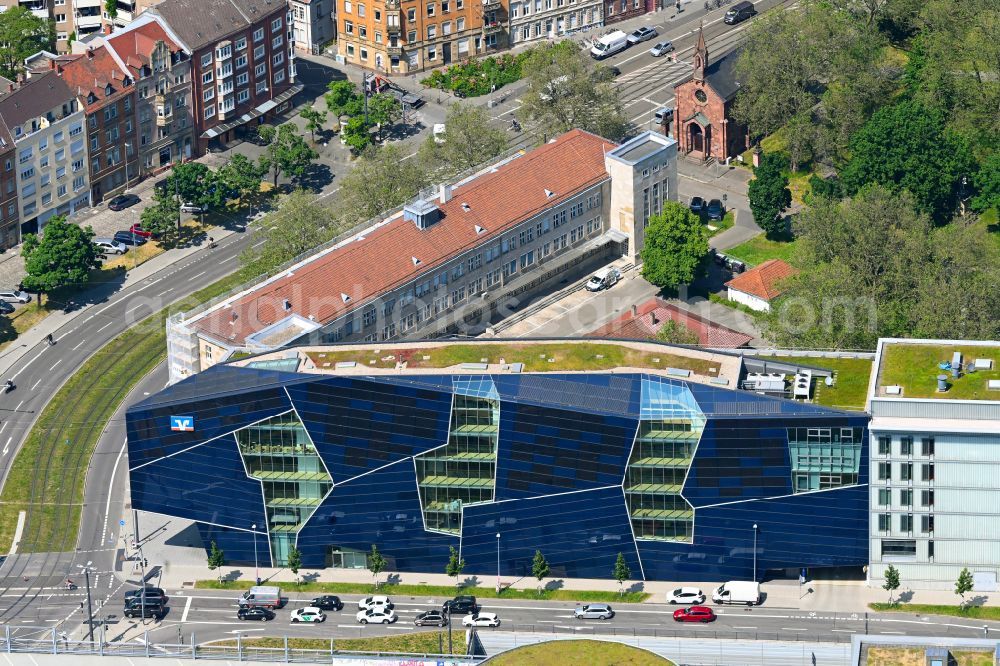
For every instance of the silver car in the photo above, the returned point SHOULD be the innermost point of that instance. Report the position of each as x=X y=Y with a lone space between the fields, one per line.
x=594 y=612
x=661 y=48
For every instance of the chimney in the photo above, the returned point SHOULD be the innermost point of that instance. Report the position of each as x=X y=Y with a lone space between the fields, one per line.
x=652 y=319
x=108 y=28
x=52 y=63
x=445 y=193
x=90 y=54
x=59 y=70
x=635 y=310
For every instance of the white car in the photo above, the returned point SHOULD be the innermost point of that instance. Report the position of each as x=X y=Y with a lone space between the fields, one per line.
x=439 y=133
x=193 y=208
x=481 y=620
x=686 y=595
x=308 y=614
x=378 y=601
x=16 y=296
x=377 y=616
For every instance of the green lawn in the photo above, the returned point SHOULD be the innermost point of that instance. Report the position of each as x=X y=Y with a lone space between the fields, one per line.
x=425 y=642
x=436 y=591
x=915 y=368
x=951 y=610
x=47 y=476
x=759 y=249
x=535 y=357
x=727 y=221
x=591 y=653
x=850 y=386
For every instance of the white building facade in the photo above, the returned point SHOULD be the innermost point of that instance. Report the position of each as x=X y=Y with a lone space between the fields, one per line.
x=531 y=20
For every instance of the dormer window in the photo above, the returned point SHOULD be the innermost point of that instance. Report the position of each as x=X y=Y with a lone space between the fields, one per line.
x=108 y=90
x=91 y=98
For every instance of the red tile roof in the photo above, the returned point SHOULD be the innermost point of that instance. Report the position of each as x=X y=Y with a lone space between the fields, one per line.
x=92 y=72
x=135 y=45
x=650 y=317
x=382 y=261
x=761 y=281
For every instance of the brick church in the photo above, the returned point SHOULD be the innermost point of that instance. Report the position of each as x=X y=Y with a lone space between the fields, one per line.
x=703 y=126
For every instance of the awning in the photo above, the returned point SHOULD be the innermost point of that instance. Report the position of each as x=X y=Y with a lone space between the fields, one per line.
x=257 y=112
x=699 y=118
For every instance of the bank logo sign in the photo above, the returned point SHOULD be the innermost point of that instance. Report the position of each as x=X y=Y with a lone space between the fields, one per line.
x=182 y=423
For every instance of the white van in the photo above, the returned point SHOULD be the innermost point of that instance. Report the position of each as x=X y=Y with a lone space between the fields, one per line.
x=737 y=592
x=609 y=44
x=261 y=596
x=604 y=279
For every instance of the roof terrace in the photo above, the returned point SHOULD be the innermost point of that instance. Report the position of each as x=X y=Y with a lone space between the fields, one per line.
x=938 y=369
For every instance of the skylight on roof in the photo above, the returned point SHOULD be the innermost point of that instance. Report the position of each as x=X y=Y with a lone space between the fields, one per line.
x=479 y=229
x=549 y=193
x=416 y=262
x=345 y=297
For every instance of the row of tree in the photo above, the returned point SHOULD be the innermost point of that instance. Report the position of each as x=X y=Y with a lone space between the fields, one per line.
x=344 y=99
x=963 y=585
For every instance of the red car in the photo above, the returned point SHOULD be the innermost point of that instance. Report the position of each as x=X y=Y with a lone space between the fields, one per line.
x=694 y=614
x=139 y=231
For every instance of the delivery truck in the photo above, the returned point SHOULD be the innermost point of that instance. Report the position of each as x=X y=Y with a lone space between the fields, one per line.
x=737 y=592
x=261 y=596
x=609 y=44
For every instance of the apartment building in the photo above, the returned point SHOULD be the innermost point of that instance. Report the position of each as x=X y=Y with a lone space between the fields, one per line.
x=531 y=20
x=386 y=36
x=10 y=232
x=162 y=71
x=619 y=10
x=935 y=461
x=47 y=126
x=452 y=262
x=128 y=11
x=107 y=94
x=314 y=23
x=242 y=62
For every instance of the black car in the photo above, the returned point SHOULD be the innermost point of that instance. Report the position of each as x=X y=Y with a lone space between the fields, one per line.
x=149 y=591
x=327 y=602
x=431 y=618
x=697 y=205
x=715 y=210
x=151 y=598
x=5 y=307
x=615 y=71
x=123 y=201
x=149 y=610
x=128 y=238
x=260 y=614
x=462 y=604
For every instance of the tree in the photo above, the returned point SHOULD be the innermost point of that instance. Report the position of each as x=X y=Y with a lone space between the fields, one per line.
x=243 y=176
x=111 y=9
x=286 y=153
x=675 y=247
x=343 y=98
x=357 y=134
x=21 y=35
x=987 y=185
x=567 y=90
x=677 y=334
x=905 y=147
x=314 y=120
x=455 y=564
x=539 y=568
x=196 y=183
x=469 y=140
x=64 y=255
x=964 y=584
x=216 y=559
x=769 y=195
x=376 y=563
x=621 y=572
x=383 y=110
x=161 y=218
x=299 y=224
x=295 y=562
x=891 y=583
x=380 y=181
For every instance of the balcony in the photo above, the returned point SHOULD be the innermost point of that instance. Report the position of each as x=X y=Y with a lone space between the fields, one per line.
x=392 y=4
x=489 y=5
x=492 y=28
x=394 y=51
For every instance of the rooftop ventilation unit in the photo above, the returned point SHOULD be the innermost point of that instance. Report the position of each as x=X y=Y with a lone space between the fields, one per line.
x=421 y=213
x=466 y=207
x=286 y=304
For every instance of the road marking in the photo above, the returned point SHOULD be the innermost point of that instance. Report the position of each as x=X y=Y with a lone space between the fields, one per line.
x=6 y=448
x=885 y=632
x=187 y=606
x=105 y=326
x=849 y=631
x=349 y=626
x=107 y=504
x=751 y=628
x=229 y=259
x=36 y=384
x=79 y=344
x=19 y=405
x=54 y=365
x=793 y=629
x=194 y=277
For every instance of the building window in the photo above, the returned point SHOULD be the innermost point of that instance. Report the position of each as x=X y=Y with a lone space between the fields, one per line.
x=209 y=111
x=279 y=76
x=926 y=498
x=927 y=472
x=884 y=471
x=242 y=96
x=906 y=446
x=241 y=62
x=258 y=52
x=927 y=446
x=906 y=471
x=241 y=80
x=883 y=496
x=884 y=445
x=276 y=25
x=902 y=549
x=206 y=77
x=927 y=524
x=277 y=42
x=241 y=43
x=906 y=522
x=884 y=520
x=260 y=70
x=430 y=9
x=348 y=27
x=906 y=497
x=258 y=35
x=278 y=58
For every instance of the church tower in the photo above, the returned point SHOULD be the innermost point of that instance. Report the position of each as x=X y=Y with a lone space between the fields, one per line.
x=700 y=55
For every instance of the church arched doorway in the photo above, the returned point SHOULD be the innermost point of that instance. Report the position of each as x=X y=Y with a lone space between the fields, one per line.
x=696 y=138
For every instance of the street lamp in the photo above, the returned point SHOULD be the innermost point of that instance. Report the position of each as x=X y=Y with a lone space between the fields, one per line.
x=498 y=563
x=755 y=552
x=256 y=566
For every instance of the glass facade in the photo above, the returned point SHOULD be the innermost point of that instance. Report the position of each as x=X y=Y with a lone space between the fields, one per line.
x=582 y=466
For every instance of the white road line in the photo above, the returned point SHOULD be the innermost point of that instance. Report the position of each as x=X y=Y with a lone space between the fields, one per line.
x=55 y=364
x=229 y=259
x=6 y=449
x=751 y=628
x=107 y=504
x=19 y=405
x=79 y=344
x=35 y=385
x=187 y=606
x=793 y=629
x=849 y=631
x=193 y=277
x=4 y=426
x=105 y=326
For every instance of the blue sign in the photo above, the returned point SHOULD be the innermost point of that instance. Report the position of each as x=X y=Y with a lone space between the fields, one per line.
x=122 y=523
x=182 y=423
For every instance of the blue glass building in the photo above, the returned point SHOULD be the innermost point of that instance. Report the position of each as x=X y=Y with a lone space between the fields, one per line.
x=582 y=466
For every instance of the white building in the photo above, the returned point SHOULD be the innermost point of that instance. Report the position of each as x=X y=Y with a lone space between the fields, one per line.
x=531 y=20
x=757 y=287
x=313 y=23
x=935 y=462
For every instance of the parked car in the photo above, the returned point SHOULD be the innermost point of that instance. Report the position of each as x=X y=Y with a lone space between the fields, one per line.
x=431 y=618
x=308 y=614
x=123 y=201
x=719 y=258
x=259 y=614
x=686 y=595
x=193 y=208
x=694 y=614
x=603 y=279
x=615 y=71
x=375 y=601
x=149 y=610
x=377 y=616
x=642 y=34
x=328 y=602
x=6 y=308
x=110 y=246
x=139 y=231
x=741 y=11
x=481 y=620
x=460 y=605
x=149 y=592
x=664 y=115
x=697 y=205
x=715 y=210
x=128 y=238
x=661 y=48
x=594 y=612
x=15 y=296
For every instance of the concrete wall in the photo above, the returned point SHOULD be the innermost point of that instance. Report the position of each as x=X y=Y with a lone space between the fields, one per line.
x=749 y=300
